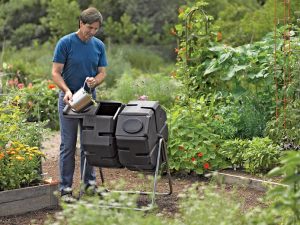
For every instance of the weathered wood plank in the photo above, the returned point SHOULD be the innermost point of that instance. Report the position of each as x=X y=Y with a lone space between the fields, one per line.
x=28 y=199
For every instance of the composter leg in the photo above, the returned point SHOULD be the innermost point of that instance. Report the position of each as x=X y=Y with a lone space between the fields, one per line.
x=82 y=179
x=161 y=149
x=161 y=153
x=101 y=175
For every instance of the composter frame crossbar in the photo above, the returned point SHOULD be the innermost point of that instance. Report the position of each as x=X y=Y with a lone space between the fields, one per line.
x=162 y=151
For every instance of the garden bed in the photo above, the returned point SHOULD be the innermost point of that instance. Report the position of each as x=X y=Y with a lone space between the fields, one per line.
x=23 y=200
x=167 y=204
x=245 y=180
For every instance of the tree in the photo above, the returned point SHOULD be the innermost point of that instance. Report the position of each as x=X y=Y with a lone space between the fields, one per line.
x=58 y=20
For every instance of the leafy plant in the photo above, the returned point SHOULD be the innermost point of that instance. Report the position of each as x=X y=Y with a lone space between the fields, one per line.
x=157 y=87
x=194 y=139
x=39 y=101
x=14 y=126
x=261 y=155
x=287 y=196
x=285 y=130
x=208 y=205
x=234 y=151
x=19 y=165
x=258 y=155
x=283 y=200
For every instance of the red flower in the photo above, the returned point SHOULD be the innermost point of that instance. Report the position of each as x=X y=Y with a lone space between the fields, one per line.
x=11 y=83
x=193 y=159
x=51 y=86
x=200 y=154
x=20 y=85
x=206 y=166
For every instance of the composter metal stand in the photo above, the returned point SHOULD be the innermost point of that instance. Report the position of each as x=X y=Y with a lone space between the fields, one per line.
x=161 y=153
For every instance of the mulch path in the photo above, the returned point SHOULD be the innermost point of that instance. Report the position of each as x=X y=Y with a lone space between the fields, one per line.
x=166 y=204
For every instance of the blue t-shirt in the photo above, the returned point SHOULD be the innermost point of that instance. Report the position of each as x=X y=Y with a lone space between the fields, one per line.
x=81 y=59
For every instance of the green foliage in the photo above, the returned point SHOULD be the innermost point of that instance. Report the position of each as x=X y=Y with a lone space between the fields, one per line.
x=29 y=63
x=286 y=128
x=261 y=155
x=208 y=205
x=198 y=205
x=287 y=198
x=19 y=158
x=13 y=125
x=256 y=156
x=234 y=151
x=19 y=165
x=19 y=18
x=138 y=21
x=194 y=137
x=283 y=200
x=158 y=87
x=39 y=100
x=254 y=113
x=58 y=20
x=133 y=59
x=89 y=211
x=143 y=59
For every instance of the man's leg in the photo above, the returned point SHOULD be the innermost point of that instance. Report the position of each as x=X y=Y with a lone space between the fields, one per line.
x=68 y=130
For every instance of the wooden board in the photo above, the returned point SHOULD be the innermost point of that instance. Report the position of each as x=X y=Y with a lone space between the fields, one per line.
x=28 y=199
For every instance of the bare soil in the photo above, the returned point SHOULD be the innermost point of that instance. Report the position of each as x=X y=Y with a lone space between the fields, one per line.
x=134 y=181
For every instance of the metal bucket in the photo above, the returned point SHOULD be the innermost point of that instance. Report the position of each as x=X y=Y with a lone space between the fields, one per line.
x=81 y=99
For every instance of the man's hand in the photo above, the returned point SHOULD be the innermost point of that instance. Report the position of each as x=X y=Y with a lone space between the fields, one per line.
x=91 y=82
x=68 y=97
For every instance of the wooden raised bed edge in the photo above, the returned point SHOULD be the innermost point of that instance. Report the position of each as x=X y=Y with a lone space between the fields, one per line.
x=247 y=182
x=23 y=200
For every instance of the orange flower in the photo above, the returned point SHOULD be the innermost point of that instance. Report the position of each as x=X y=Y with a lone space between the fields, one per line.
x=29 y=85
x=180 y=147
x=51 y=86
x=200 y=154
x=172 y=31
x=11 y=152
x=1 y=155
x=219 y=36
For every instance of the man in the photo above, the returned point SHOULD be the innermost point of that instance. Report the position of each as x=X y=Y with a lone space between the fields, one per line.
x=78 y=57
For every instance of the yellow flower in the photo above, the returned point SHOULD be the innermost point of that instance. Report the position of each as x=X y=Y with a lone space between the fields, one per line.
x=20 y=158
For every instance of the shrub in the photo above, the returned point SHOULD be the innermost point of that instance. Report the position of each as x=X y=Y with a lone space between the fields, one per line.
x=19 y=141
x=19 y=165
x=36 y=66
x=39 y=100
x=256 y=156
x=157 y=87
x=14 y=125
x=208 y=205
x=194 y=139
x=283 y=200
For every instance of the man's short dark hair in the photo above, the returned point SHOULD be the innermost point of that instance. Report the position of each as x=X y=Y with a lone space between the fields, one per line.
x=91 y=15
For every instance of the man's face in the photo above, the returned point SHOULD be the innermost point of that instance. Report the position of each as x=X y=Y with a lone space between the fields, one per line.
x=89 y=30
